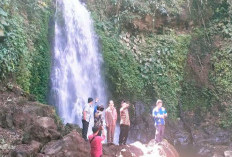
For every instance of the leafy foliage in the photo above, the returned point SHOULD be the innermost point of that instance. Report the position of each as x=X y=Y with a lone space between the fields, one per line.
x=221 y=74
x=25 y=52
x=142 y=67
x=214 y=38
x=121 y=69
x=158 y=64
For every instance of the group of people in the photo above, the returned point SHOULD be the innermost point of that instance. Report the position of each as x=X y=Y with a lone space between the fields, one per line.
x=95 y=112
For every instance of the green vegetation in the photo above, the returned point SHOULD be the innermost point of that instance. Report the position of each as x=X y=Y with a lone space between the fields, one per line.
x=174 y=50
x=25 y=49
x=140 y=64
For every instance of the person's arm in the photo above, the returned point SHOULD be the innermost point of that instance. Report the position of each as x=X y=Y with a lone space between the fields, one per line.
x=116 y=115
x=96 y=101
x=97 y=114
x=125 y=107
x=121 y=110
x=85 y=112
x=106 y=118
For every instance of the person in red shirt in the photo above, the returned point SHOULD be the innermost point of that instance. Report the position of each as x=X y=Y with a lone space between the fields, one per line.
x=96 y=141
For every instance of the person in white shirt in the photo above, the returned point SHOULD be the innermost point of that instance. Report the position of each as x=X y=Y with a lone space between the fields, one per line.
x=87 y=113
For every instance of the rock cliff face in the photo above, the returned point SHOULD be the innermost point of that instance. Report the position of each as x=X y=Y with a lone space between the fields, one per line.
x=190 y=137
x=28 y=128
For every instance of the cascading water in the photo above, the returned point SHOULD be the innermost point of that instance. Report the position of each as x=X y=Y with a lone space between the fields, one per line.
x=76 y=65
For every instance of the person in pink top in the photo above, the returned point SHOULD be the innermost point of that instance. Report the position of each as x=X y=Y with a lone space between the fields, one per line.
x=96 y=142
x=110 y=119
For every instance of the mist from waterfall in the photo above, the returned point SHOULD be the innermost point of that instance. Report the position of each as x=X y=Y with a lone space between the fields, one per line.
x=76 y=65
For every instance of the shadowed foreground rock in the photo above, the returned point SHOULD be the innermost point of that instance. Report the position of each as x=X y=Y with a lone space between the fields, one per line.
x=26 y=149
x=72 y=145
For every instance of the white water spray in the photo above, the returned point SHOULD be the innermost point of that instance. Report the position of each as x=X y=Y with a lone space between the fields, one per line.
x=76 y=65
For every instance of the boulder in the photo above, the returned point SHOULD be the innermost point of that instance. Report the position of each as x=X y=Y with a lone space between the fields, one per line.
x=42 y=134
x=43 y=130
x=46 y=122
x=165 y=148
x=71 y=145
x=137 y=149
x=22 y=120
x=69 y=128
x=26 y=150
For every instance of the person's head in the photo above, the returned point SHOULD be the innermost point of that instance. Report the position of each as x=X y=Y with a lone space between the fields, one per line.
x=124 y=104
x=111 y=104
x=159 y=103
x=90 y=100
x=95 y=129
x=100 y=107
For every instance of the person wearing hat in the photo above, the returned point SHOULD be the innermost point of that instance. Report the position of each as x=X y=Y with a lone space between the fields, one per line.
x=159 y=113
x=96 y=141
x=87 y=114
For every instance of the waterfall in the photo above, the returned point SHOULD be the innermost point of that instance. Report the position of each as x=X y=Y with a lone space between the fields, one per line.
x=76 y=65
